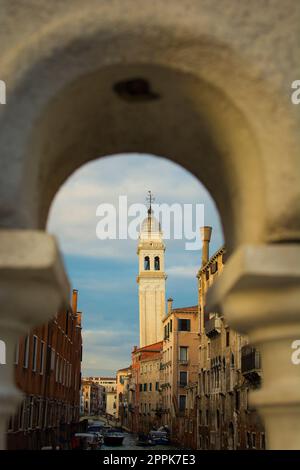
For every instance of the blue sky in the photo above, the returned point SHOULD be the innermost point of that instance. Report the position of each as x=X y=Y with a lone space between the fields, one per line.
x=104 y=271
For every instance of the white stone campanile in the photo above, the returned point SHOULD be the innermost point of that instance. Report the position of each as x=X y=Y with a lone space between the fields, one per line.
x=151 y=281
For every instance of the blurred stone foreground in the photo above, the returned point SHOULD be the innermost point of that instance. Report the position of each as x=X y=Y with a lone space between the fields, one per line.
x=204 y=83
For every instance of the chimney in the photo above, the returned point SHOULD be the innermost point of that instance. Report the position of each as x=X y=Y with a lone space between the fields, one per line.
x=74 y=300
x=170 y=303
x=205 y=236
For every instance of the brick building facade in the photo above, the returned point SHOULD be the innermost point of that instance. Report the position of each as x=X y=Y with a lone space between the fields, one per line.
x=48 y=371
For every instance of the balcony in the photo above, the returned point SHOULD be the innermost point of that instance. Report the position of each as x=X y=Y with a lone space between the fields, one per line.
x=165 y=385
x=250 y=364
x=213 y=326
x=183 y=362
x=182 y=384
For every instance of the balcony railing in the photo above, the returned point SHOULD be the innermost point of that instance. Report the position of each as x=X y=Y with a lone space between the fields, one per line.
x=250 y=364
x=182 y=384
x=250 y=360
x=165 y=385
x=213 y=326
x=183 y=362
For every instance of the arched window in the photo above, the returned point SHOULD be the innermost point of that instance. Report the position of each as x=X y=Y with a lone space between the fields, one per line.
x=232 y=360
x=2 y=352
x=147 y=263
x=156 y=263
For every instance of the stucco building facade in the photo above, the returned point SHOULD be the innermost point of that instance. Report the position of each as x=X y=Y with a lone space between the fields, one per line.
x=122 y=393
x=92 y=398
x=179 y=365
x=228 y=369
x=109 y=394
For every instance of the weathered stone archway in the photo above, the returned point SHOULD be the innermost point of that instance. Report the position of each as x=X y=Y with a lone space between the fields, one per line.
x=219 y=109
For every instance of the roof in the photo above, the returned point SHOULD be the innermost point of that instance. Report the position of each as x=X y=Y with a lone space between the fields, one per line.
x=124 y=369
x=150 y=224
x=155 y=347
x=192 y=309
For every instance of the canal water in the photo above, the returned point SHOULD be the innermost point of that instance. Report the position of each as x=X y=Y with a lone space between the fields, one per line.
x=129 y=443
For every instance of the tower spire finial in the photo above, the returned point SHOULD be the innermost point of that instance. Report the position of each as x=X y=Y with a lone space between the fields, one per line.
x=150 y=199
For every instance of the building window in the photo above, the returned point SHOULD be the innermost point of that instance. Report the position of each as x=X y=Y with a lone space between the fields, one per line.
x=227 y=338
x=171 y=326
x=218 y=419
x=183 y=353
x=156 y=263
x=214 y=267
x=147 y=263
x=145 y=387
x=184 y=325
x=182 y=402
x=57 y=368
x=52 y=363
x=150 y=387
x=237 y=400
x=182 y=378
x=42 y=357
x=67 y=323
x=26 y=353
x=34 y=353
x=166 y=332
x=17 y=352
x=232 y=360
x=141 y=387
x=157 y=386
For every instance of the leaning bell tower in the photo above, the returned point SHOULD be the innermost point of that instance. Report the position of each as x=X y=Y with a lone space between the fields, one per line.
x=151 y=279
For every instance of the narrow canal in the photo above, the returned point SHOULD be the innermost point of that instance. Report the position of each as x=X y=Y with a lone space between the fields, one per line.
x=129 y=443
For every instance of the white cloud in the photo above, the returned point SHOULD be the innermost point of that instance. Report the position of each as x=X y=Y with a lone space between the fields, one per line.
x=73 y=213
x=106 y=349
x=183 y=271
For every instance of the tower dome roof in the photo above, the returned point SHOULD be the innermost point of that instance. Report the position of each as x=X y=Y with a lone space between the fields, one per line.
x=150 y=227
x=150 y=224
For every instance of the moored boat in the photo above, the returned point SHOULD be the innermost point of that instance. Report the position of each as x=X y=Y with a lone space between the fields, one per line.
x=159 y=438
x=113 y=437
x=143 y=440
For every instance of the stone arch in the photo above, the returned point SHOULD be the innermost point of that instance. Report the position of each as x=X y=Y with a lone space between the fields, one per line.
x=207 y=96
